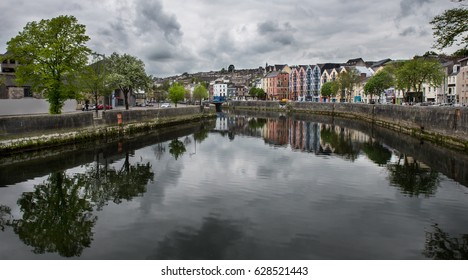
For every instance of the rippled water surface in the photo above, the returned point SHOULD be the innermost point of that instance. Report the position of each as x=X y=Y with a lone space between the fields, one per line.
x=243 y=187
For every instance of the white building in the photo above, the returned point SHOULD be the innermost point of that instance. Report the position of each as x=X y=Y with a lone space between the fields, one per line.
x=220 y=89
x=452 y=86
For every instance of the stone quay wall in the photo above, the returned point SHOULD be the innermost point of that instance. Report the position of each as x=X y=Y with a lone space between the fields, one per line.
x=443 y=125
x=33 y=132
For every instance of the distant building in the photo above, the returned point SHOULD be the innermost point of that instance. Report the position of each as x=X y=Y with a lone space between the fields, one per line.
x=462 y=82
x=9 y=89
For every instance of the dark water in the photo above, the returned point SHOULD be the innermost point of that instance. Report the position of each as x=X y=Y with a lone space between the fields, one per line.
x=243 y=187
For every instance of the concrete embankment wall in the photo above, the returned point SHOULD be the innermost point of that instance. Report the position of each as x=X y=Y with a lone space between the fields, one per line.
x=33 y=124
x=443 y=125
x=111 y=117
x=30 y=124
x=33 y=132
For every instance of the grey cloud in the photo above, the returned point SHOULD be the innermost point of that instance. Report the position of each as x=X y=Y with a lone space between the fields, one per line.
x=408 y=31
x=412 y=31
x=410 y=7
x=276 y=33
x=152 y=15
x=160 y=54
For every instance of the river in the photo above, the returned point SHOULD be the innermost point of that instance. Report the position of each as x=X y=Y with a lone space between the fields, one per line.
x=243 y=186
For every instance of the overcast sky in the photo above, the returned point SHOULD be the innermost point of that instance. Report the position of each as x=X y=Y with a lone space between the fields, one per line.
x=176 y=36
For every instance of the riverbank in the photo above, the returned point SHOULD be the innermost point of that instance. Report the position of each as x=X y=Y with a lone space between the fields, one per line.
x=445 y=126
x=34 y=132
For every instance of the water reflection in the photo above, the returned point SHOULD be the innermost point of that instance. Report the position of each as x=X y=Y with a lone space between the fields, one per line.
x=5 y=216
x=210 y=242
x=260 y=186
x=57 y=217
x=177 y=148
x=441 y=246
x=412 y=177
x=377 y=152
x=103 y=183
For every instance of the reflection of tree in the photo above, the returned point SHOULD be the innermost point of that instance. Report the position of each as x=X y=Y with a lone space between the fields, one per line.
x=159 y=150
x=56 y=217
x=341 y=142
x=5 y=216
x=440 y=246
x=377 y=153
x=211 y=241
x=109 y=184
x=201 y=135
x=177 y=148
x=412 y=178
x=256 y=123
x=58 y=214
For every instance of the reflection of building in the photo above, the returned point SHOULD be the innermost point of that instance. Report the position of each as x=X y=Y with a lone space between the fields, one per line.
x=276 y=132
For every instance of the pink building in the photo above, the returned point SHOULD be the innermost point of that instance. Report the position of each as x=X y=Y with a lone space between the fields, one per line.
x=276 y=85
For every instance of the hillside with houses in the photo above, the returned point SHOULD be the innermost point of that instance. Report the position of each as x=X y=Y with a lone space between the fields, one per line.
x=304 y=82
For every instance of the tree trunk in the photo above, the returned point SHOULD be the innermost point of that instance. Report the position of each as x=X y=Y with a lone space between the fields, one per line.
x=125 y=92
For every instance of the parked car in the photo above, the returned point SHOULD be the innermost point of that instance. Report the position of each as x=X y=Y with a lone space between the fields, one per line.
x=100 y=107
x=165 y=105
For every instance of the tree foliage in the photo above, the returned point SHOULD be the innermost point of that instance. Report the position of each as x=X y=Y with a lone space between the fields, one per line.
x=93 y=78
x=200 y=92
x=257 y=92
x=51 y=54
x=347 y=81
x=127 y=73
x=378 y=83
x=176 y=93
x=451 y=27
x=411 y=74
x=330 y=89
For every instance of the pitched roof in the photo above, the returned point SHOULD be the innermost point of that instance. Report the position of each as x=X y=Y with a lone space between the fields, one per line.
x=380 y=63
x=326 y=66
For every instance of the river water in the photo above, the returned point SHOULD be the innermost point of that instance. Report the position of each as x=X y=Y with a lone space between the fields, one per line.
x=243 y=186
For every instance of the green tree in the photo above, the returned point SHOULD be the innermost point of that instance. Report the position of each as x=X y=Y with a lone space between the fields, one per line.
x=451 y=27
x=51 y=54
x=127 y=73
x=410 y=75
x=378 y=83
x=347 y=81
x=176 y=93
x=231 y=68
x=330 y=89
x=93 y=78
x=257 y=92
x=200 y=93
x=261 y=94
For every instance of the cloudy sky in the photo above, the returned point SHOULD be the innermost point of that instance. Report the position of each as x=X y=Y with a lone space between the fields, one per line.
x=176 y=36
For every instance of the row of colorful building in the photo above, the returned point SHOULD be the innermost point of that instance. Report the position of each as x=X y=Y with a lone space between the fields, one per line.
x=303 y=83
